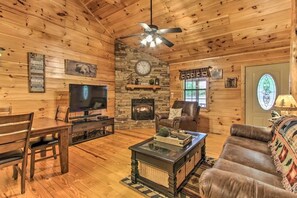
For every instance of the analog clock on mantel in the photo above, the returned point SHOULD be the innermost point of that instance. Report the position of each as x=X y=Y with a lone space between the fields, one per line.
x=143 y=68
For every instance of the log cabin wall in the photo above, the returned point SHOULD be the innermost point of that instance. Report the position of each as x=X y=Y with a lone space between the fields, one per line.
x=226 y=105
x=59 y=29
x=293 y=56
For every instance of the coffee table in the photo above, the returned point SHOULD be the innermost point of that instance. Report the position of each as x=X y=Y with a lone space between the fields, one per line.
x=165 y=167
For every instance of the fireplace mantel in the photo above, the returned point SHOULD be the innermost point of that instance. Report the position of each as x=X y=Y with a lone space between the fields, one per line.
x=153 y=87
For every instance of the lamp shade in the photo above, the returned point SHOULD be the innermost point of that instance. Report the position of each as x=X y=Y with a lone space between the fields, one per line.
x=286 y=103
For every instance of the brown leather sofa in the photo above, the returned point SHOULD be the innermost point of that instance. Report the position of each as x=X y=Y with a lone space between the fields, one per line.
x=245 y=167
x=187 y=121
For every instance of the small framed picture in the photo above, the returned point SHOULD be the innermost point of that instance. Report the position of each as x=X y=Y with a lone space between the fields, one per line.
x=216 y=73
x=36 y=68
x=231 y=82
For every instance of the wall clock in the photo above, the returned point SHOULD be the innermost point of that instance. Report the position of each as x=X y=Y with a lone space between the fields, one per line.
x=143 y=68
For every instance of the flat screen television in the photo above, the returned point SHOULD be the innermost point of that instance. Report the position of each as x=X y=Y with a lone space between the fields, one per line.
x=87 y=97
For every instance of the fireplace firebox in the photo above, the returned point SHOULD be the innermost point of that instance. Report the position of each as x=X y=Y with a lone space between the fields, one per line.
x=143 y=109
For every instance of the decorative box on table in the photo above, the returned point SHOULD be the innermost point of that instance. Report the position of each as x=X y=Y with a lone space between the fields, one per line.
x=175 y=138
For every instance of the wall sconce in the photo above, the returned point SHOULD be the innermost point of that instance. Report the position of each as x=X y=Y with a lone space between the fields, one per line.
x=1 y=50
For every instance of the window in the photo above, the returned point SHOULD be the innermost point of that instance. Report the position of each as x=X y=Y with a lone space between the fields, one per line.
x=266 y=92
x=196 y=90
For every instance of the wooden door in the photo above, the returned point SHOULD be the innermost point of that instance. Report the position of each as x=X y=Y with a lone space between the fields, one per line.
x=263 y=85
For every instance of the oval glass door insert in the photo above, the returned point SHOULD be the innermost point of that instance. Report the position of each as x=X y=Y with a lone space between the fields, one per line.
x=266 y=92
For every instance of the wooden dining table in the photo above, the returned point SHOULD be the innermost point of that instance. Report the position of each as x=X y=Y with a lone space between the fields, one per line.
x=46 y=126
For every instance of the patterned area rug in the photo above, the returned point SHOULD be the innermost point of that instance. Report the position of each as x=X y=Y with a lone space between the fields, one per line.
x=190 y=189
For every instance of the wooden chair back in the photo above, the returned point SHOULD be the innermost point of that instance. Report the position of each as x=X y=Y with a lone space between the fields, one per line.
x=5 y=110
x=62 y=113
x=15 y=132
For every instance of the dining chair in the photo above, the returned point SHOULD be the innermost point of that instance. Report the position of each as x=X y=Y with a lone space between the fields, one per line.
x=14 y=140
x=5 y=110
x=43 y=144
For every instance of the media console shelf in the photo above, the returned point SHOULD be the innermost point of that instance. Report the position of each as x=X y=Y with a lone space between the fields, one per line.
x=89 y=127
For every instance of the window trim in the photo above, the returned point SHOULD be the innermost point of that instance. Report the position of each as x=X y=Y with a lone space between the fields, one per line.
x=206 y=91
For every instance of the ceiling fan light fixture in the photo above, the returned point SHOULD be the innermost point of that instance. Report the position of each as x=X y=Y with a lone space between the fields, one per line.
x=158 y=41
x=143 y=42
x=149 y=38
x=153 y=44
x=152 y=35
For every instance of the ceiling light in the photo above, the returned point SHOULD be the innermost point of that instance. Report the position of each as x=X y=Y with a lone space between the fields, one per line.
x=158 y=41
x=143 y=42
x=153 y=44
x=149 y=38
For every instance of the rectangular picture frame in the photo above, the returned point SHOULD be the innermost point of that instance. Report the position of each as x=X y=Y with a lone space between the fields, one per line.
x=231 y=82
x=36 y=72
x=216 y=73
x=77 y=68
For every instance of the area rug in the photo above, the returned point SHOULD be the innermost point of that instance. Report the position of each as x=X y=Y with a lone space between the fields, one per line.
x=189 y=190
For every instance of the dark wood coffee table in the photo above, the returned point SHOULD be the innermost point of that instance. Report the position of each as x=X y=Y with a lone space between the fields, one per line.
x=165 y=167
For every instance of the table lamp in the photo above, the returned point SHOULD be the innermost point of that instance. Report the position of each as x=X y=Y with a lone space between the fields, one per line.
x=285 y=103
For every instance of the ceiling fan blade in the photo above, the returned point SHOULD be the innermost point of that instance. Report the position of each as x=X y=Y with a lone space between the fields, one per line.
x=131 y=35
x=145 y=26
x=169 y=30
x=166 y=42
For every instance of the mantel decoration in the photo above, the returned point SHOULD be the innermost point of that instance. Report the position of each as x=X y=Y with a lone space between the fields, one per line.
x=231 y=82
x=36 y=70
x=194 y=73
x=80 y=69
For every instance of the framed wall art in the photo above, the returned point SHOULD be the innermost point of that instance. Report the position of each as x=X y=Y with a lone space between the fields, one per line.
x=231 y=82
x=216 y=73
x=36 y=70
x=80 y=69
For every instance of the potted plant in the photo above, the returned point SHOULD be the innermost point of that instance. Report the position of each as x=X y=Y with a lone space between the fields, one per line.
x=151 y=81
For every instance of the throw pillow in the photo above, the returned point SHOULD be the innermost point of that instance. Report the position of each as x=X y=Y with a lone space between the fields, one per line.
x=173 y=113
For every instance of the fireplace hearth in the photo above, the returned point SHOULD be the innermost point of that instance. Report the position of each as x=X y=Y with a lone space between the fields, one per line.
x=143 y=109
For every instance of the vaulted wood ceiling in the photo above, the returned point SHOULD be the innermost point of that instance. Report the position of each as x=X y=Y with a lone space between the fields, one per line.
x=211 y=28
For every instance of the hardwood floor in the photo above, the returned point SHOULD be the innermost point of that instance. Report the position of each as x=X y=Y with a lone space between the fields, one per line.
x=95 y=169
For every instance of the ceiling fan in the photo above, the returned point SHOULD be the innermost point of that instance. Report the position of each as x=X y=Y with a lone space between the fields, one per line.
x=152 y=35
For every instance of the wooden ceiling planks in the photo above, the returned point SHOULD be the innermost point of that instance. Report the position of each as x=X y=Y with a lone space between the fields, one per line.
x=210 y=27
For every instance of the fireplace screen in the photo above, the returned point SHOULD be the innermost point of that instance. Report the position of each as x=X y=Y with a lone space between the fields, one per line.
x=143 y=109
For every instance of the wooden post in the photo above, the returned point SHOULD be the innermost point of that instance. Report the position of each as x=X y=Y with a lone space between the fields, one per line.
x=293 y=52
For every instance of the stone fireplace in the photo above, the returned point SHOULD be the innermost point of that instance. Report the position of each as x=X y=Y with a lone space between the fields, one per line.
x=143 y=109
x=130 y=112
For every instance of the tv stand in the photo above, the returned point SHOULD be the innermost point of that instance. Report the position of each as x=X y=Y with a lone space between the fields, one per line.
x=89 y=127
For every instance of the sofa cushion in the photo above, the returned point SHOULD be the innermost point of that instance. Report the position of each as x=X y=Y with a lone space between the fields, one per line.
x=189 y=108
x=250 y=144
x=249 y=158
x=263 y=134
x=233 y=167
x=215 y=183
x=284 y=151
x=166 y=123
